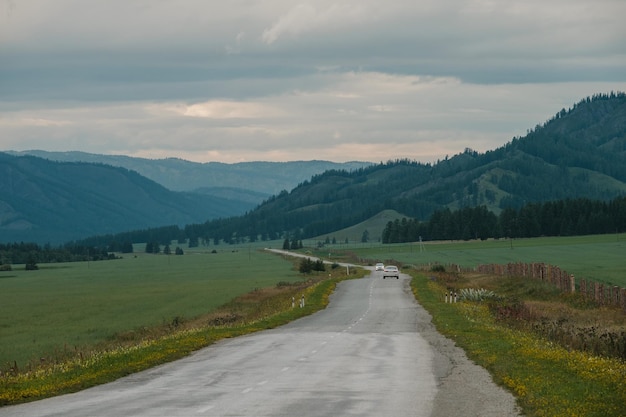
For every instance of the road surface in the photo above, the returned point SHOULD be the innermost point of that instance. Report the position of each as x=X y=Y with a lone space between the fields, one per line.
x=372 y=352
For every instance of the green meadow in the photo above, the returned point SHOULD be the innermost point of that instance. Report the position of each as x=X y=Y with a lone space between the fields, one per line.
x=599 y=258
x=62 y=308
x=66 y=307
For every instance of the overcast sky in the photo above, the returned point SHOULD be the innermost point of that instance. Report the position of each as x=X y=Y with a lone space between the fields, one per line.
x=284 y=80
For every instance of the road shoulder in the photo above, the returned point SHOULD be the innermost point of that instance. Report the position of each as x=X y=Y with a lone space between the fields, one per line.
x=464 y=388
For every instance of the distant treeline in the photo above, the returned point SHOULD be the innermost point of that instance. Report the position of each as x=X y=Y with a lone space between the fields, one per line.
x=31 y=253
x=556 y=218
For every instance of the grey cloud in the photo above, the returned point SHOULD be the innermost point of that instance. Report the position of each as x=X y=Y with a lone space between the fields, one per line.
x=106 y=75
x=482 y=42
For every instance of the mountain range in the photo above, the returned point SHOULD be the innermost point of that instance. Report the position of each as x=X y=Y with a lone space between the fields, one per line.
x=578 y=153
x=53 y=197
x=248 y=182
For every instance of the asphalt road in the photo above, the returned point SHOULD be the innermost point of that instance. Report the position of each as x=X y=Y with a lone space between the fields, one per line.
x=372 y=352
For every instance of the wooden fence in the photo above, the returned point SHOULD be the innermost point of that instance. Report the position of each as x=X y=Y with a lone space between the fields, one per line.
x=603 y=294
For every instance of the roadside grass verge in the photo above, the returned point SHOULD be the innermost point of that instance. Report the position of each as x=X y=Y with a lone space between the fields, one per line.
x=547 y=378
x=132 y=351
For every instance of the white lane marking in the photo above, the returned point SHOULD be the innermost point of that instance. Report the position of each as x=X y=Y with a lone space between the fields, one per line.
x=247 y=390
x=286 y=368
x=263 y=382
x=313 y=352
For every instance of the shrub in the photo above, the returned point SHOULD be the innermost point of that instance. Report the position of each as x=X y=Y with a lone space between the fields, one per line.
x=510 y=309
x=319 y=265
x=438 y=268
x=306 y=266
x=283 y=284
x=481 y=294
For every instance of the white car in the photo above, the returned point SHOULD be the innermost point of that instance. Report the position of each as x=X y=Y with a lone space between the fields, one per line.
x=391 y=271
x=379 y=267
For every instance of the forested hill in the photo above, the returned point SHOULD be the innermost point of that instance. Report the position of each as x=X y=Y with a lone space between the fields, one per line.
x=579 y=153
x=52 y=202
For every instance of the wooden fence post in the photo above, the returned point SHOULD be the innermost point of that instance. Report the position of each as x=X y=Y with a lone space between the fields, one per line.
x=599 y=293
x=583 y=288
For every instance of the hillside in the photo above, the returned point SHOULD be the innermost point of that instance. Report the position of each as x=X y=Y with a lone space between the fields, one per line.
x=52 y=202
x=372 y=228
x=579 y=153
x=250 y=182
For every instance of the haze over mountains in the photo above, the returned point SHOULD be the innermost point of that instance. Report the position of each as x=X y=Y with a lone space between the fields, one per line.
x=44 y=200
x=580 y=152
x=249 y=182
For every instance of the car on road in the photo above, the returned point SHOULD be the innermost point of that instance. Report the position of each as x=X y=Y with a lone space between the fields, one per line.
x=379 y=267
x=391 y=271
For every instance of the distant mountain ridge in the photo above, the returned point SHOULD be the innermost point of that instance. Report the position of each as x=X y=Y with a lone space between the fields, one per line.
x=52 y=202
x=53 y=197
x=251 y=181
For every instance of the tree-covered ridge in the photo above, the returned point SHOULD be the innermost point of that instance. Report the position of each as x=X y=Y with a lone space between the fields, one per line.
x=553 y=218
x=582 y=136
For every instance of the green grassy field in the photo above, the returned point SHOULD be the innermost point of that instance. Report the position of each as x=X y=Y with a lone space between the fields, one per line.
x=67 y=306
x=64 y=306
x=599 y=258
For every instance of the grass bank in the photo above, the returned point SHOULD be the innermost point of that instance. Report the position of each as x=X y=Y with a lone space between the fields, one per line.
x=547 y=378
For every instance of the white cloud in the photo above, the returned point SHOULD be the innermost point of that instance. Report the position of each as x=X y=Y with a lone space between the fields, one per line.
x=303 y=18
x=299 y=19
x=217 y=109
